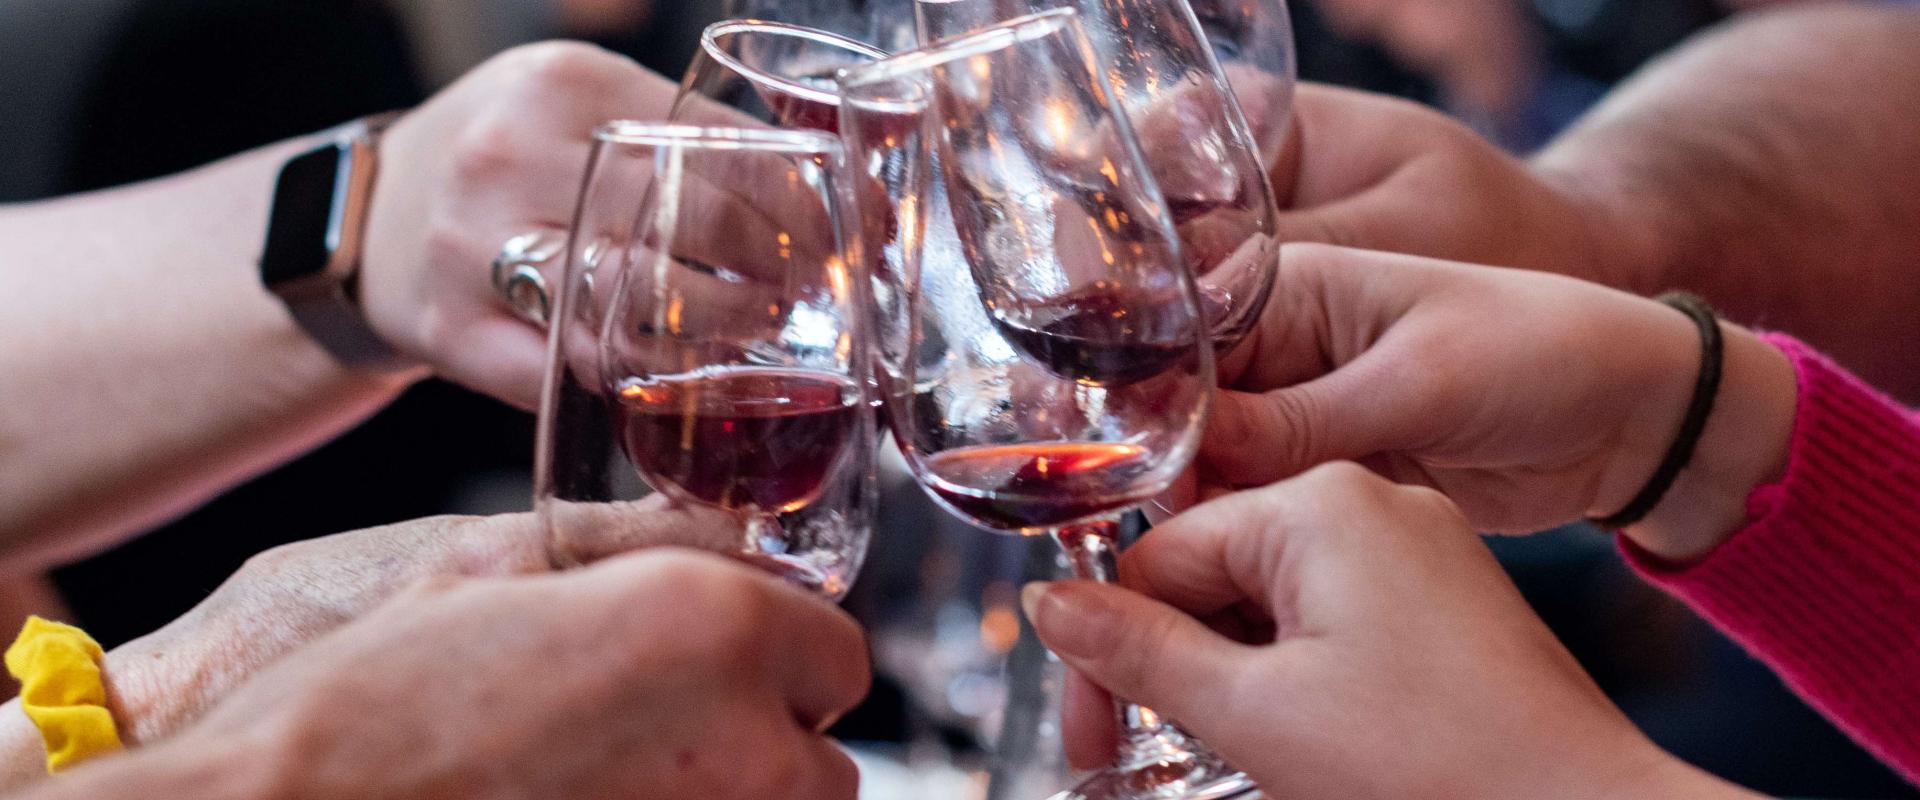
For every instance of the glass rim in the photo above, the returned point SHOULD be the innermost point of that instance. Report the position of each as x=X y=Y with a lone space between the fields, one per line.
x=667 y=134
x=709 y=44
x=1019 y=30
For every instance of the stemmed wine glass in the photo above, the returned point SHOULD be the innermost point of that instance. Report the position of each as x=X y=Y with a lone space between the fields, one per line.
x=1206 y=157
x=886 y=24
x=770 y=73
x=711 y=340
x=1042 y=347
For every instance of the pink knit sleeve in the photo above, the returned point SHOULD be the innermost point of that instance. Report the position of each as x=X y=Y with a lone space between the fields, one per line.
x=1824 y=583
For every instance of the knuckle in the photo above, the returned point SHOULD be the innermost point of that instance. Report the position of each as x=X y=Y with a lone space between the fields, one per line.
x=565 y=66
x=1146 y=646
x=1428 y=502
x=851 y=679
x=485 y=150
x=1310 y=258
x=840 y=777
x=1342 y=478
x=728 y=610
x=277 y=561
x=1294 y=416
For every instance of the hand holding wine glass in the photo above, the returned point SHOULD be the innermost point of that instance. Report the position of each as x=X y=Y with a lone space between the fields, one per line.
x=1042 y=346
x=712 y=342
x=1321 y=630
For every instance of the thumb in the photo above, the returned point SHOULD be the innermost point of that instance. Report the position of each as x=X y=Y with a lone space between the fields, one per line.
x=1137 y=648
x=1354 y=412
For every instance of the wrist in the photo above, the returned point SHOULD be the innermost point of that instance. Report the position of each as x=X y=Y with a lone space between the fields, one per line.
x=1744 y=446
x=150 y=687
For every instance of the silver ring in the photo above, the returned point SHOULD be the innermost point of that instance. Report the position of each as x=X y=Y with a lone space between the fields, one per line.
x=517 y=276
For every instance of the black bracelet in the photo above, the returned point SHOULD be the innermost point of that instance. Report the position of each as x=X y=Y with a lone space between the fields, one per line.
x=1706 y=390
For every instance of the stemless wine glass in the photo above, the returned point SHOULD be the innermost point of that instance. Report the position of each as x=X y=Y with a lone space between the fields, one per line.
x=710 y=340
x=770 y=73
x=1042 y=347
x=1207 y=159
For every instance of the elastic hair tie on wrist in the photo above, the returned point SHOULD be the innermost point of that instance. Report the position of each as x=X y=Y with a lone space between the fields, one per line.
x=1706 y=390
x=62 y=691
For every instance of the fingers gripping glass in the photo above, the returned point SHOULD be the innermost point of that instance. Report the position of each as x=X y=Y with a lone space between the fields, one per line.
x=1042 y=347
x=710 y=343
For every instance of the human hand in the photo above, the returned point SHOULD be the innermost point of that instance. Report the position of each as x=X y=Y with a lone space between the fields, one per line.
x=285 y=597
x=1385 y=174
x=1340 y=636
x=1531 y=400
x=498 y=154
x=662 y=674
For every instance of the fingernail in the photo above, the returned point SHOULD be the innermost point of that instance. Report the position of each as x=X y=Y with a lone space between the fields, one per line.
x=1074 y=618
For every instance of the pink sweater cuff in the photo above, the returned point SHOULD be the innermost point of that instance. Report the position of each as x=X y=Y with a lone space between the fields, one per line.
x=1824 y=583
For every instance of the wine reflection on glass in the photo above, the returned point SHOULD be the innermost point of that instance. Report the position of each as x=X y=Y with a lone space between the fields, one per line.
x=711 y=341
x=1041 y=343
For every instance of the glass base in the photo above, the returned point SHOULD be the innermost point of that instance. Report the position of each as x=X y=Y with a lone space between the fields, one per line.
x=1165 y=766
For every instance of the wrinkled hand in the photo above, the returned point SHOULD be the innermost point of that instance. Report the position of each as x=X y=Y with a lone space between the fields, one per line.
x=498 y=154
x=1377 y=651
x=665 y=674
x=290 y=595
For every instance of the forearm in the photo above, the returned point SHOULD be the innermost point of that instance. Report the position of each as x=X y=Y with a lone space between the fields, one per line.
x=146 y=367
x=1770 y=167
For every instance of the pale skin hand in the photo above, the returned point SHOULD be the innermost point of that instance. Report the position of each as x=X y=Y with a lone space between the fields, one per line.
x=1765 y=166
x=1531 y=400
x=1379 y=652
x=146 y=366
x=665 y=674
x=288 y=596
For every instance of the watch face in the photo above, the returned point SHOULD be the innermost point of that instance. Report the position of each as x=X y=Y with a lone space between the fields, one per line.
x=310 y=197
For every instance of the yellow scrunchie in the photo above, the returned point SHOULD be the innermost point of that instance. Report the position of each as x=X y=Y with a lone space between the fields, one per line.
x=62 y=692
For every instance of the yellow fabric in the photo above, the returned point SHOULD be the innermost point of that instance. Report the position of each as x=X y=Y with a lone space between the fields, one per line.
x=61 y=690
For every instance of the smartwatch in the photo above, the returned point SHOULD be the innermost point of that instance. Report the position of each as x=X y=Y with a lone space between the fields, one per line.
x=312 y=256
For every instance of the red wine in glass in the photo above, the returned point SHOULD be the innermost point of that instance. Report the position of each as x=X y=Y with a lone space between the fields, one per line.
x=741 y=438
x=1037 y=486
x=806 y=111
x=1100 y=335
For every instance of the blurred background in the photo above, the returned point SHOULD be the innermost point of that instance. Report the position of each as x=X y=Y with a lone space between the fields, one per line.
x=95 y=93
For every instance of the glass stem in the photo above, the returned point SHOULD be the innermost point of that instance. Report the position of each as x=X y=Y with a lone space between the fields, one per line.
x=1093 y=550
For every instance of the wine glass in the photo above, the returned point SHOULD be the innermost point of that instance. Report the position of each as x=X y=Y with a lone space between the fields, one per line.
x=756 y=72
x=1041 y=343
x=886 y=24
x=1210 y=163
x=710 y=340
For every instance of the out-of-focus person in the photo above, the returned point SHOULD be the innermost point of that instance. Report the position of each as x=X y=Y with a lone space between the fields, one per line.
x=450 y=37
x=1519 y=71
